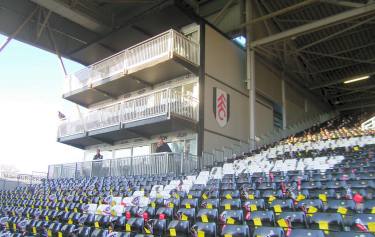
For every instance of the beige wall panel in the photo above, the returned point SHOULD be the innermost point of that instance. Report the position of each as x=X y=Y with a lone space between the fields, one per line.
x=238 y=123
x=294 y=96
x=214 y=141
x=267 y=83
x=295 y=112
x=224 y=60
x=264 y=118
x=295 y=106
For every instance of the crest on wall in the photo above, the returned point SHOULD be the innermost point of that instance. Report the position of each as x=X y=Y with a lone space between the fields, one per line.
x=221 y=106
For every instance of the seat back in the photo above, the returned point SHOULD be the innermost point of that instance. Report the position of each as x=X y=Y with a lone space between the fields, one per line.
x=235 y=231
x=268 y=231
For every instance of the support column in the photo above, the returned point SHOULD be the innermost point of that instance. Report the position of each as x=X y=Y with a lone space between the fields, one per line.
x=283 y=91
x=202 y=75
x=250 y=74
x=283 y=101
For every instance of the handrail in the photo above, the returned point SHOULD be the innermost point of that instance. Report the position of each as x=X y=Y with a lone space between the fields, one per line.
x=368 y=124
x=155 y=163
x=183 y=36
x=134 y=56
x=150 y=39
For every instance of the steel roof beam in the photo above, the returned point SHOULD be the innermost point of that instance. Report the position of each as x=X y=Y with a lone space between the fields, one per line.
x=279 y=12
x=334 y=68
x=358 y=99
x=80 y=18
x=317 y=25
x=339 y=81
x=126 y=1
x=343 y=3
x=301 y=61
x=353 y=91
x=19 y=28
x=366 y=61
x=356 y=106
x=276 y=13
x=219 y=16
x=336 y=33
x=348 y=50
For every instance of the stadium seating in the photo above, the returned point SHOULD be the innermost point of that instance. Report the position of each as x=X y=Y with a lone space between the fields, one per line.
x=318 y=188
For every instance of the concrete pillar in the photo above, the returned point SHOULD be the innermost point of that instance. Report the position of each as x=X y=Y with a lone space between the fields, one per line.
x=250 y=73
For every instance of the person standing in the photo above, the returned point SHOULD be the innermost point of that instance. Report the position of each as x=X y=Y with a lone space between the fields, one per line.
x=162 y=146
x=97 y=163
x=98 y=156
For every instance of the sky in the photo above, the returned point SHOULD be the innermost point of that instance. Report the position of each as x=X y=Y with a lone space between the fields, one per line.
x=31 y=86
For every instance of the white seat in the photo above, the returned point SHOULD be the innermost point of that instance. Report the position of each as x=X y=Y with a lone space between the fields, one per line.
x=103 y=209
x=117 y=210
x=92 y=208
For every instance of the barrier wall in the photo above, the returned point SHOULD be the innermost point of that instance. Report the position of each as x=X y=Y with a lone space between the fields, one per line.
x=158 y=163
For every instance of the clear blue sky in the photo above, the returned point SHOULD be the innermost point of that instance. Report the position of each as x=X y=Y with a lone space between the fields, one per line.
x=31 y=85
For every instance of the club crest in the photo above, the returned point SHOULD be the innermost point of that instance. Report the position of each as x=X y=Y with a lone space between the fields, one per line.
x=221 y=106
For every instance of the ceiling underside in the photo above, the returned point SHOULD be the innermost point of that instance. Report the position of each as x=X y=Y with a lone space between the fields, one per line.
x=88 y=31
x=329 y=55
x=318 y=60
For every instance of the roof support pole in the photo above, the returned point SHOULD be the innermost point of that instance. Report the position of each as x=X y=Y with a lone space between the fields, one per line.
x=43 y=26
x=18 y=30
x=54 y=45
x=250 y=74
x=283 y=90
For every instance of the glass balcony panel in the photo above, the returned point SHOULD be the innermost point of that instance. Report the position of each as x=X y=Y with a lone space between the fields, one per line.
x=166 y=102
x=68 y=128
x=108 y=67
x=79 y=79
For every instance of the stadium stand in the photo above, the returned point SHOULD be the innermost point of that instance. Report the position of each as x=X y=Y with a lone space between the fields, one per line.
x=340 y=127
x=313 y=184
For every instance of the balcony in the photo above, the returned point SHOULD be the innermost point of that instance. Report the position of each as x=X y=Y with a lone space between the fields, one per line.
x=165 y=56
x=143 y=116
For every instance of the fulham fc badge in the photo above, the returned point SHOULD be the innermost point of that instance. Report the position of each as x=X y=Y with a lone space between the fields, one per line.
x=221 y=108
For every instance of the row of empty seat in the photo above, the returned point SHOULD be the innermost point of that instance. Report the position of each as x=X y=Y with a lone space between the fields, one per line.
x=317 y=189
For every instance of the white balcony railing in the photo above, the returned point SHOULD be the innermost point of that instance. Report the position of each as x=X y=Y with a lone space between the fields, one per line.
x=185 y=48
x=68 y=128
x=164 y=102
x=156 y=163
x=161 y=46
x=149 y=50
x=369 y=124
x=108 y=67
x=146 y=106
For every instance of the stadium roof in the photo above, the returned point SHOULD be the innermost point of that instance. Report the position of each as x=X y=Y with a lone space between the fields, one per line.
x=318 y=43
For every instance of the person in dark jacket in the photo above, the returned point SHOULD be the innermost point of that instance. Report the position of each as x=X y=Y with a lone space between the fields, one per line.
x=97 y=163
x=162 y=146
x=98 y=156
